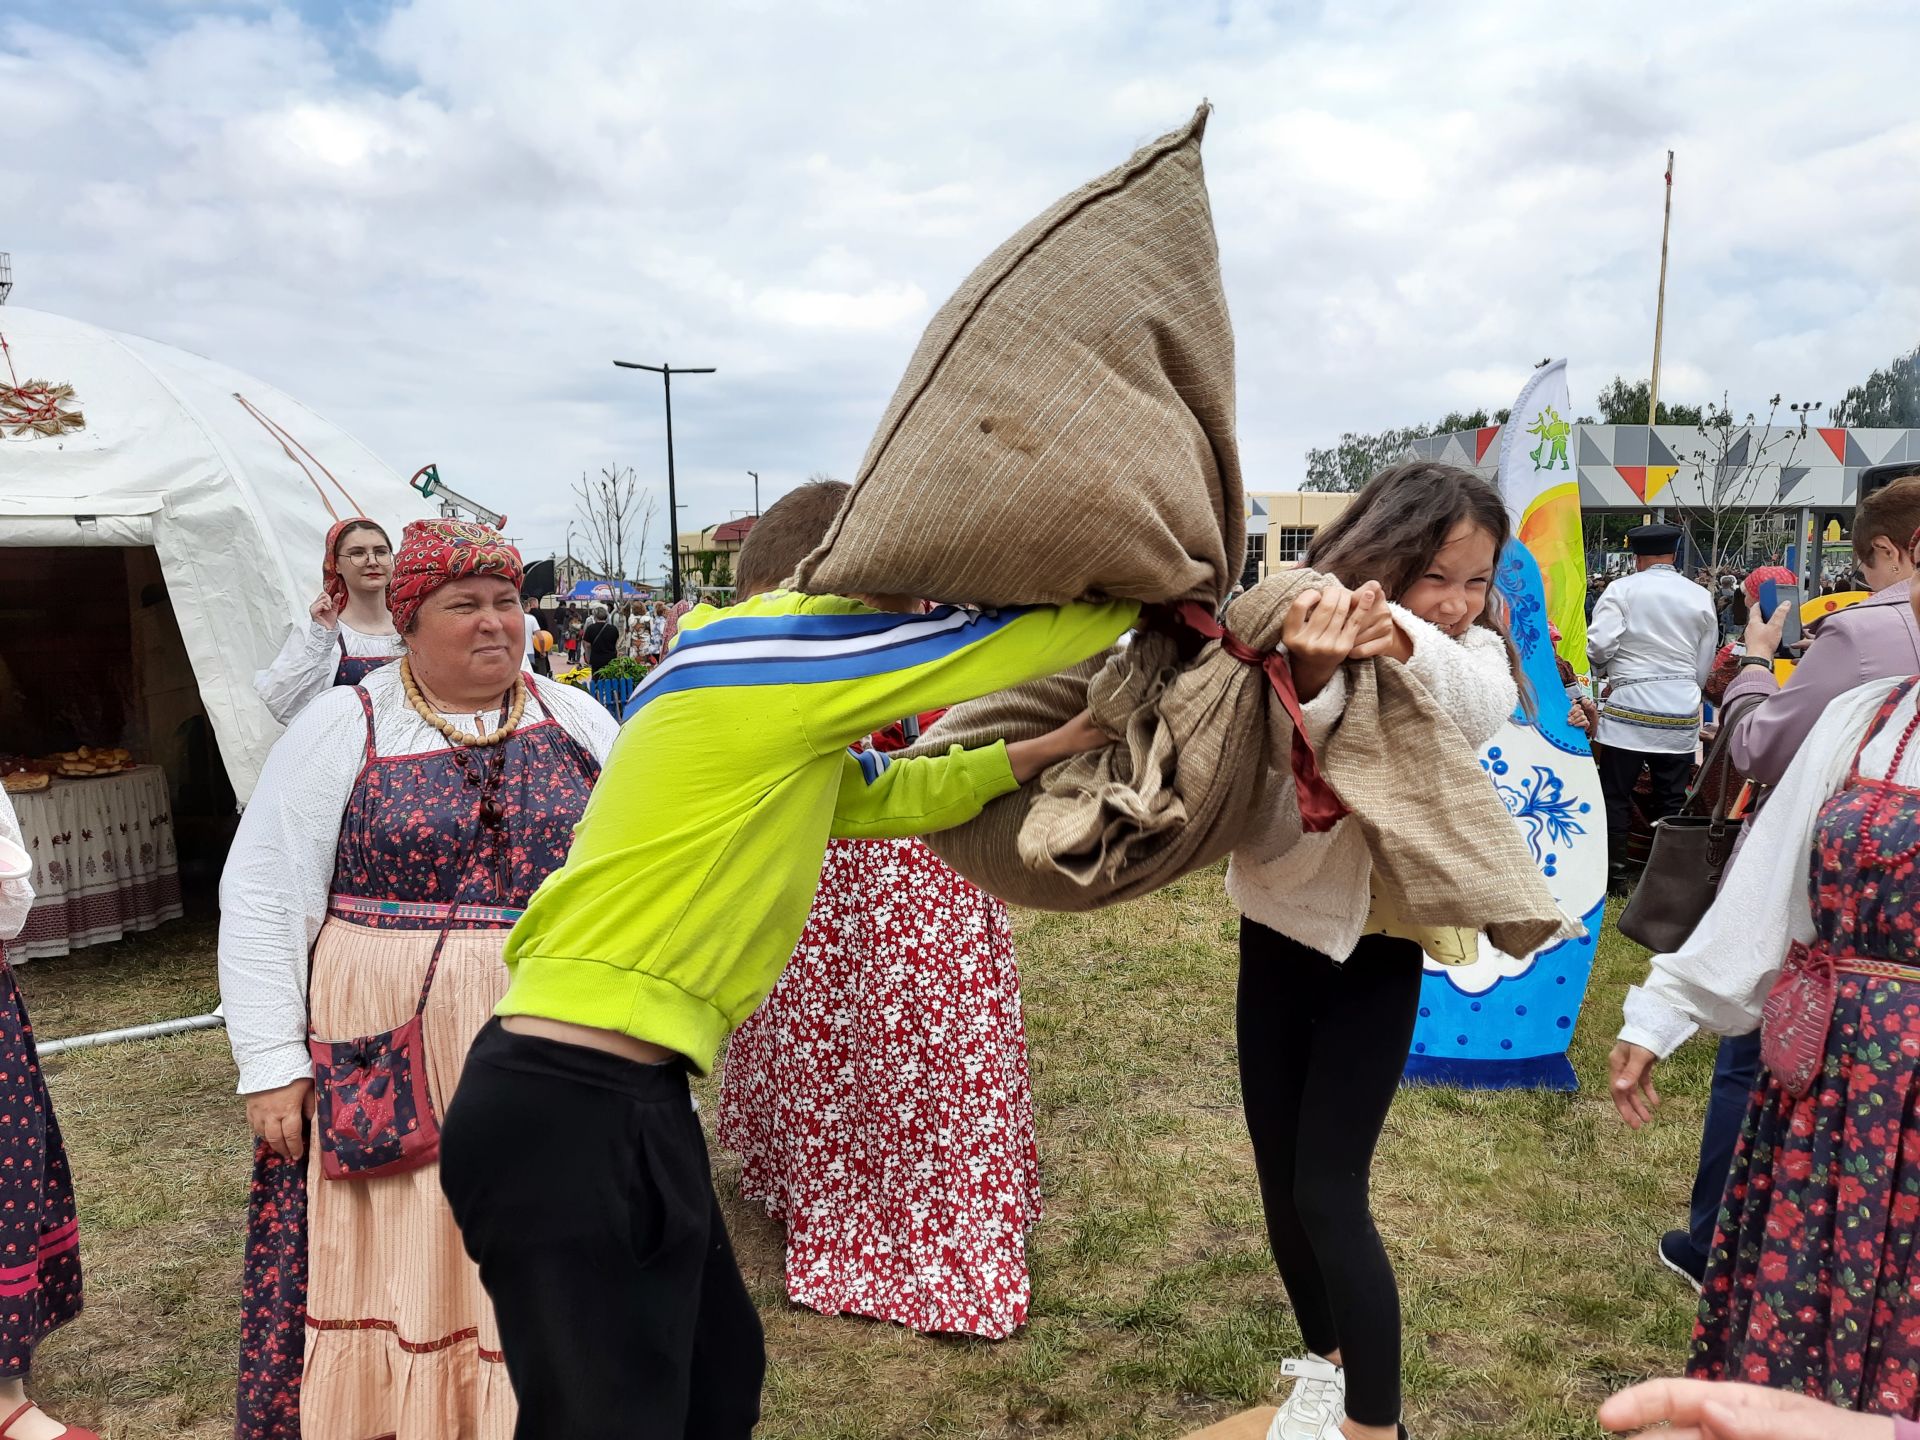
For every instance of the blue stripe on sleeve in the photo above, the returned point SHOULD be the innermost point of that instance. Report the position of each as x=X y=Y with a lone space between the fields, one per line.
x=730 y=628
x=812 y=667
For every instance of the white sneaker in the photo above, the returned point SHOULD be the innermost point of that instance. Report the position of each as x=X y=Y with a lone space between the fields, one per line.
x=1317 y=1405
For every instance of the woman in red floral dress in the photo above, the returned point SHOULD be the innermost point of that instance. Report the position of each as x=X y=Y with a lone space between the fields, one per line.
x=879 y=1098
x=1809 y=1285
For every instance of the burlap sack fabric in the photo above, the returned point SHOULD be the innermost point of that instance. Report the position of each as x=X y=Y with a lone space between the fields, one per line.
x=1066 y=429
x=1066 y=426
x=1203 y=747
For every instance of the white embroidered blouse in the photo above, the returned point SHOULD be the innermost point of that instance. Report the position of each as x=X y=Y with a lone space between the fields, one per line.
x=305 y=666
x=16 y=896
x=1719 y=979
x=273 y=895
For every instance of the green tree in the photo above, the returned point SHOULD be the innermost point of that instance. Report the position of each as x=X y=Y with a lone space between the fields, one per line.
x=1357 y=458
x=1624 y=404
x=1888 y=398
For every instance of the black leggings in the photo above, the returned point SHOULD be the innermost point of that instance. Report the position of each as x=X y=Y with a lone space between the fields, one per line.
x=1322 y=1047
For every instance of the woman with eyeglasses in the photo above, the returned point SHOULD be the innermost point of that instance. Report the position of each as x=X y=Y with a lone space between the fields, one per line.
x=349 y=632
x=397 y=831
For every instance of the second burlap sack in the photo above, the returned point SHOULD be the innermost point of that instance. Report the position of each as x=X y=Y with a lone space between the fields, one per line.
x=1205 y=752
x=1065 y=428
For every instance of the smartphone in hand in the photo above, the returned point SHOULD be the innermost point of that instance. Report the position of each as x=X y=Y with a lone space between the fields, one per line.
x=1772 y=596
x=1790 y=631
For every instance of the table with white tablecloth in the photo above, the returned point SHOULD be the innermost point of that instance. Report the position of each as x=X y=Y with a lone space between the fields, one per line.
x=103 y=861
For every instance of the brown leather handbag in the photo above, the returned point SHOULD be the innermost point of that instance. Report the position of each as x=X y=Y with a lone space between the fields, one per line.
x=1690 y=852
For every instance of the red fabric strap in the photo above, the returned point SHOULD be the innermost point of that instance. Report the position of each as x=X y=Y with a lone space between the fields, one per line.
x=1320 y=807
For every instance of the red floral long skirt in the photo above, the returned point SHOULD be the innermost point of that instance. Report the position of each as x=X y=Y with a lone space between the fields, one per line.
x=1812 y=1284
x=880 y=1102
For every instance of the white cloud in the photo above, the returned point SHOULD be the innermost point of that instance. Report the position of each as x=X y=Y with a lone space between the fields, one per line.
x=439 y=225
x=885 y=307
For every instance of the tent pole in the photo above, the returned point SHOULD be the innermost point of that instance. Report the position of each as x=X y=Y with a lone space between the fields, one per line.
x=132 y=1032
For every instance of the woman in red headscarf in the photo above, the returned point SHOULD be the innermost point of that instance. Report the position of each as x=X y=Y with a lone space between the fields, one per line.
x=396 y=832
x=349 y=631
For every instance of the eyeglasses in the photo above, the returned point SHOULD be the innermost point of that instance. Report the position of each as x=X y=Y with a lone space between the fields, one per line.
x=361 y=555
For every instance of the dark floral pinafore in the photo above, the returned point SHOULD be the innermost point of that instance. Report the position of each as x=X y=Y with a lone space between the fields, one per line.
x=1810 y=1286
x=352 y=669
x=406 y=824
x=39 y=1229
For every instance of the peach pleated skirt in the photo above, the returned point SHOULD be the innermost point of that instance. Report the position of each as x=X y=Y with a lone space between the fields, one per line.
x=401 y=1340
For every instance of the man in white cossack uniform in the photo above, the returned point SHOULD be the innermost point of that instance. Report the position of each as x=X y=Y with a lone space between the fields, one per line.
x=1653 y=636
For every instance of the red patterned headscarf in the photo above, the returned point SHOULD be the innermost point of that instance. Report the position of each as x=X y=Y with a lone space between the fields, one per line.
x=1779 y=574
x=432 y=552
x=330 y=578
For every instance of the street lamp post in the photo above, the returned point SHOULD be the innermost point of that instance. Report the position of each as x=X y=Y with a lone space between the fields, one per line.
x=756 y=492
x=666 y=374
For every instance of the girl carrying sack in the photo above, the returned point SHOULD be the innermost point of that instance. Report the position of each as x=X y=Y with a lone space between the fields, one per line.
x=1326 y=1015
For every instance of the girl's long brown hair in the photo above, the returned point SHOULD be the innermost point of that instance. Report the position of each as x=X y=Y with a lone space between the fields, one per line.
x=1398 y=523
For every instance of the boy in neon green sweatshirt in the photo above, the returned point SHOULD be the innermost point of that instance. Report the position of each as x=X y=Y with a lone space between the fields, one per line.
x=571 y=1154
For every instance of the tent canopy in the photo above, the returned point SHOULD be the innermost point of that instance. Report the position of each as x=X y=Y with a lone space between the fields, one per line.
x=603 y=590
x=232 y=482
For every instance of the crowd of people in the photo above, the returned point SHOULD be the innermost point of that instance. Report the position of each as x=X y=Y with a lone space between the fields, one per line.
x=468 y=970
x=598 y=633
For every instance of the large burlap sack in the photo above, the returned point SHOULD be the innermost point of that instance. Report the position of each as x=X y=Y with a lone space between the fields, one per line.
x=1205 y=747
x=1066 y=427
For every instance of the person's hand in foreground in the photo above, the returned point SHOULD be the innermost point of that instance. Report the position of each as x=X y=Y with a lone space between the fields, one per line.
x=1079 y=735
x=322 y=612
x=280 y=1117
x=1631 y=1068
x=1726 y=1410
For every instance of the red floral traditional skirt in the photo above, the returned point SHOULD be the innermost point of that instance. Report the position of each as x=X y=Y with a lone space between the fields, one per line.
x=880 y=1103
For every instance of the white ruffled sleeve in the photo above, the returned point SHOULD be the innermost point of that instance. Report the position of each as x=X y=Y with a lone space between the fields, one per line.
x=16 y=896
x=300 y=672
x=273 y=895
x=1719 y=979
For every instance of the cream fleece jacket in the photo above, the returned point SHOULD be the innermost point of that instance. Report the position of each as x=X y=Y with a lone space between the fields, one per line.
x=1317 y=889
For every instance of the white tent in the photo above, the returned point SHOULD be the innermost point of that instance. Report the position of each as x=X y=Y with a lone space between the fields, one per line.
x=232 y=483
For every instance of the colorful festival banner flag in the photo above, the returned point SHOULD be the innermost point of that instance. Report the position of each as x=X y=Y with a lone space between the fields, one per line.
x=1497 y=1021
x=1542 y=488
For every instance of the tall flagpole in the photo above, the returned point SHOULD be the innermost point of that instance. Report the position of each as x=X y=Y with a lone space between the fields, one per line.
x=1660 y=310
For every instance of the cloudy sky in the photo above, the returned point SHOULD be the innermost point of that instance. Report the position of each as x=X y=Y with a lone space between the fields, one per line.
x=437 y=222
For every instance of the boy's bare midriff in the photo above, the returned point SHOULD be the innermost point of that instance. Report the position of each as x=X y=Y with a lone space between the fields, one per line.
x=613 y=1042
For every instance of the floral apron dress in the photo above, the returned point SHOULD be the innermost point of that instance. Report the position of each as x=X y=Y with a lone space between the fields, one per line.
x=39 y=1228
x=404 y=830
x=1811 y=1285
x=352 y=669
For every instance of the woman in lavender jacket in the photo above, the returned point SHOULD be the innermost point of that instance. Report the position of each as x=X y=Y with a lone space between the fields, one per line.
x=1877 y=639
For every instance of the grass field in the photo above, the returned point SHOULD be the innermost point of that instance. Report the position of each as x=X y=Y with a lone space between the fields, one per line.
x=1522 y=1224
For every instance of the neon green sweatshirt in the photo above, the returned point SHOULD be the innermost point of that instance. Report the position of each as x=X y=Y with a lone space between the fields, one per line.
x=693 y=869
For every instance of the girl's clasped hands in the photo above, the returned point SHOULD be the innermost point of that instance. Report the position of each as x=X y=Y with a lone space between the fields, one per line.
x=1325 y=628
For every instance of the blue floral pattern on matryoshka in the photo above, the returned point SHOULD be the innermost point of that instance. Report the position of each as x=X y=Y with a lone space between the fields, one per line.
x=1515 y=1032
x=1524 y=607
x=1519 y=582
x=1541 y=805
